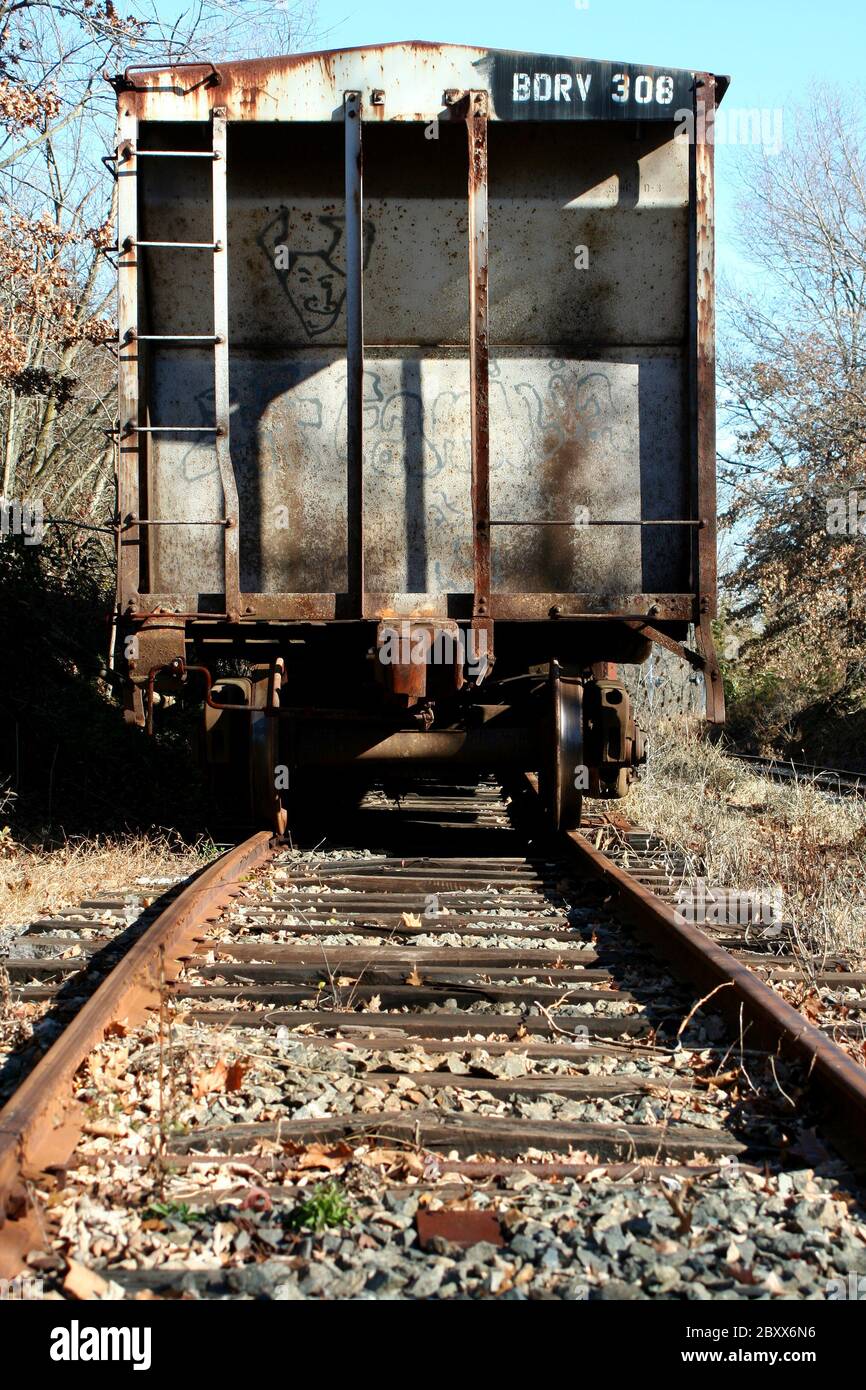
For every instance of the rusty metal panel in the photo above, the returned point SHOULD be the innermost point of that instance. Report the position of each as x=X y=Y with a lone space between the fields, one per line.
x=413 y=78
x=622 y=194
x=562 y=438
x=592 y=372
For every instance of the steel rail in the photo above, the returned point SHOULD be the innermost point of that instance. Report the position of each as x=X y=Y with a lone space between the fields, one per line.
x=38 y=1125
x=753 y=1008
x=835 y=780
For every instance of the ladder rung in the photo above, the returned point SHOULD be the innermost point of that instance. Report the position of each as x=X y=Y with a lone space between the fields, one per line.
x=172 y=429
x=171 y=154
x=129 y=245
x=132 y=337
x=147 y=521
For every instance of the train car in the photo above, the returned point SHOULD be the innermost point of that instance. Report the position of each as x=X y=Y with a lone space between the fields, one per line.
x=416 y=419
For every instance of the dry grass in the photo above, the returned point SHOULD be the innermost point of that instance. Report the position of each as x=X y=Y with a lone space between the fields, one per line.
x=740 y=830
x=36 y=882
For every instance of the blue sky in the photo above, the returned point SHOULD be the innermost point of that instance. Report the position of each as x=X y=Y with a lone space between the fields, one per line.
x=766 y=44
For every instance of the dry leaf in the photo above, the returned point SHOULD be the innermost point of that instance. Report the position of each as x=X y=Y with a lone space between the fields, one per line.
x=410 y=919
x=211 y=1079
x=235 y=1075
x=413 y=978
x=329 y=1156
x=373 y=1004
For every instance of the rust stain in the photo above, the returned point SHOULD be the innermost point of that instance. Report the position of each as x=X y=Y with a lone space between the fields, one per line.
x=463 y=1227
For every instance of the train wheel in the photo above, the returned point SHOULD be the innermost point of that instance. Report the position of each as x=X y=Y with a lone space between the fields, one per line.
x=266 y=802
x=563 y=780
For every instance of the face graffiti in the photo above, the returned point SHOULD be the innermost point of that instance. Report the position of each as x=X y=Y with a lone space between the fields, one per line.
x=307 y=264
x=316 y=288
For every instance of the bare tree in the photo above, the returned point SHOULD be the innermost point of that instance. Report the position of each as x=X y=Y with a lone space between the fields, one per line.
x=57 y=362
x=794 y=382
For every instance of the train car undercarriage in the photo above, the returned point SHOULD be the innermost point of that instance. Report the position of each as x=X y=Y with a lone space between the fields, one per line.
x=396 y=699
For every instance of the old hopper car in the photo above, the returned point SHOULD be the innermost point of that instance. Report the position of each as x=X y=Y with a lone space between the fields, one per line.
x=416 y=424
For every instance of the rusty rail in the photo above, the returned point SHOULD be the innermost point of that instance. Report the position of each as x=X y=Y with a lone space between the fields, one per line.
x=753 y=1008
x=38 y=1126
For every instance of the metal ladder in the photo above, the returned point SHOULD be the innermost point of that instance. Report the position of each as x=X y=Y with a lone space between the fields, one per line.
x=131 y=431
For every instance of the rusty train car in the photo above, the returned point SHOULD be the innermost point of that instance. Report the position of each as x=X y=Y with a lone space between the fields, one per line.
x=416 y=417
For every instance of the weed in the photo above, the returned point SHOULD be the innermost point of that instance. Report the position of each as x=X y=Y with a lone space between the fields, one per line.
x=326 y=1206
x=171 y=1211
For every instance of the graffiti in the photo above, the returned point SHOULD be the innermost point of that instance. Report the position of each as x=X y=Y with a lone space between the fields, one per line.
x=429 y=426
x=572 y=411
x=305 y=261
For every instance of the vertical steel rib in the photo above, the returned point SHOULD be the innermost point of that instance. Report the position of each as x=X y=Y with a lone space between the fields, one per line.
x=352 y=111
x=703 y=377
x=221 y=366
x=479 y=389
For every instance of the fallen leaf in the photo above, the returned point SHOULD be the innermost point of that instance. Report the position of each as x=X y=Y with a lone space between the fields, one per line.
x=235 y=1075
x=410 y=919
x=373 y=1004
x=211 y=1079
x=413 y=978
x=329 y=1156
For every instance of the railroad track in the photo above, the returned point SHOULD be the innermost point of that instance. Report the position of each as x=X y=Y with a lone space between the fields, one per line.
x=434 y=1040
x=837 y=781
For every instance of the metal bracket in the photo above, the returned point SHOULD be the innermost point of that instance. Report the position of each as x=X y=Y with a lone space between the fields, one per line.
x=715 y=690
x=122 y=82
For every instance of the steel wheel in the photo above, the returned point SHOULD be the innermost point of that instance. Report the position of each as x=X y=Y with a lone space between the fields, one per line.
x=565 y=757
